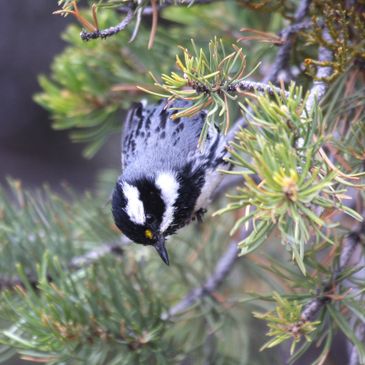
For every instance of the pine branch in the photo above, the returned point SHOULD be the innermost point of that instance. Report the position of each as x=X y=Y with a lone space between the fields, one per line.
x=86 y=36
x=148 y=10
x=320 y=87
x=222 y=269
x=96 y=254
x=349 y=244
x=229 y=182
x=294 y=28
x=8 y=283
x=76 y=263
x=281 y=59
x=260 y=87
x=283 y=55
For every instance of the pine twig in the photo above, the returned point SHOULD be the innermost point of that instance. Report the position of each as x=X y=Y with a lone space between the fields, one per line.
x=349 y=244
x=222 y=269
x=148 y=10
x=94 y=255
x=320 y=87
x=8 y=283
x=281 y=59
x=108 y=32
x=76 y=263
x=283 y=55
x=229 y=182
x=251 y=86
x=294 y=28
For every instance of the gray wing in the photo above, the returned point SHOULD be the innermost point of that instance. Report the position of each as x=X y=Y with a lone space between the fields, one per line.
x=133 y=123
x=152 y=140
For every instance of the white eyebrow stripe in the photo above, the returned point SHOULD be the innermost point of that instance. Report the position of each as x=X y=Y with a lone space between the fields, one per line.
x=169 y=186
x=134 y=207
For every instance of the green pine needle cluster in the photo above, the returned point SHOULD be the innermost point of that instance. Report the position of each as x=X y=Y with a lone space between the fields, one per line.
x=88 y=315
x=293 y=181
x=207 y=79
x=285 y=323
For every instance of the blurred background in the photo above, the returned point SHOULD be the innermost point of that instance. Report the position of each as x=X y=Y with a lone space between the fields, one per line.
x=29 y=149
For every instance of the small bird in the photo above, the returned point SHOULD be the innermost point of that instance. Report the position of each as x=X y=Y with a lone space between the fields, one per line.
x=167 y=179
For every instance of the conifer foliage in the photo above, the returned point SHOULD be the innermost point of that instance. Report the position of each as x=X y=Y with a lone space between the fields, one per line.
x=283 y=253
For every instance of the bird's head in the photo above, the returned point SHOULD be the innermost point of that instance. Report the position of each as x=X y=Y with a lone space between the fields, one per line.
x=144 y=210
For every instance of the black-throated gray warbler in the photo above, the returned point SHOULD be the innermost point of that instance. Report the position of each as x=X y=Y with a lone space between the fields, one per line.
x=166 y=179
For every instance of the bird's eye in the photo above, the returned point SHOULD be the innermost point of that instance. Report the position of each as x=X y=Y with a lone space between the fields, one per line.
x=148 y=234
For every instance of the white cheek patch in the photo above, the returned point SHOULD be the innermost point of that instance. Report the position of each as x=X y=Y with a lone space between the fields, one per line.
x=134 y=207
x=167 y=183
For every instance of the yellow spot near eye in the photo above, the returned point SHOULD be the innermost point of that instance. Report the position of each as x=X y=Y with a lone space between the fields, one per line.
x=148 y=234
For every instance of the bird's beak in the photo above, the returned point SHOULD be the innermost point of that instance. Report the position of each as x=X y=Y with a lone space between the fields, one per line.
x=161 y=249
